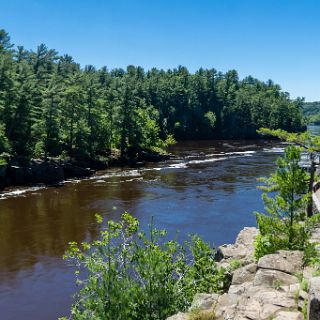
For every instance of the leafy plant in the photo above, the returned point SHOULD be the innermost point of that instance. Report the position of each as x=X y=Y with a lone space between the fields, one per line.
x=284 y=225
x=235 y=264
x=307 y=142
x=127 y=274
x=277 y=284
x=304 y=285
x=3 y=162
x=202 y=315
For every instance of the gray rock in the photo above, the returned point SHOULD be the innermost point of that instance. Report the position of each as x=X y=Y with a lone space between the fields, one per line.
x=292 y=288
x=314 y=299
x=244 y=274
x=256 y=310
x=315 y=236
x=238 y=293
x=286 y=261
x=242 y=249
x=204 y=301
x=231 y=251
x=267 y=296
x=250 y=302
x=289 y=315
x=263 y=291
x=273 y=278
x=225 y=264
x=222 y=304
x=251 y=310
x=268 y=311
x=231 y=313
x=307 y=273
x=247 y=236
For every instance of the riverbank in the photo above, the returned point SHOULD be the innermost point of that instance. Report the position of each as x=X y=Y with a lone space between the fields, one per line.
x=54 y=171
x=278 y=286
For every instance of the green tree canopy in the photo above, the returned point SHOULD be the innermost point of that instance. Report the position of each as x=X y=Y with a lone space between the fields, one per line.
x=50 y=106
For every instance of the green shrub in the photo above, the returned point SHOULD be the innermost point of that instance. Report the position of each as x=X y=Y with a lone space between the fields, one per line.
x=4 y=142
x=202 y=315
x=38 y=150
x=283 y=225
x=3 y=162
x=129 y=275
x=235 y=264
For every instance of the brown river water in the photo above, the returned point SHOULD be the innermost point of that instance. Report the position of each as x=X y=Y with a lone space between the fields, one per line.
x=209 y=188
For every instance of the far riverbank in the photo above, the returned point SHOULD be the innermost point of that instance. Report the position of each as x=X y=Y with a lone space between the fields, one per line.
x=54 y=171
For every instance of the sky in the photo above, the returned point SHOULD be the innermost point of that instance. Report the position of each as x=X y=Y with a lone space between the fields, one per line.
x=268 y=39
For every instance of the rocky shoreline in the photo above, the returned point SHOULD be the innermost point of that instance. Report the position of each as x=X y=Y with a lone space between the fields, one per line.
x=55 y=171
x=277 y=287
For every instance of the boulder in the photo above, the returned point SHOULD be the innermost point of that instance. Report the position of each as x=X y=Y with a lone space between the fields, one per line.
x=3 y=171
x=238 y=293
x=231 y=313
x=251 y=310
x=242 y=249
x=254 y=309
x=273 y=278
x=204 y=301
x=150 y=156
x=292 y=288
x=269 y=296
x=73 y=171
x=315 y=236
x=232 y=252
x=315 y=239
x=15 y=176
x=285 y=261
x=228 y=306
x=268 y=311
x=249 y=302
x=247 y=236
x=244 y=274
x=289 y=315
x=222 y=303
x=308 y=272
x=314 y=299
x=44 y=172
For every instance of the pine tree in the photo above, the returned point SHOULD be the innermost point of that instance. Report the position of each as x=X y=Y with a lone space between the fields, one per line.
x=280 y=226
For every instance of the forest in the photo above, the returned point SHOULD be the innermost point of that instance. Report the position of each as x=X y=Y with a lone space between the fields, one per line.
x=51 y=107
x=311 y=110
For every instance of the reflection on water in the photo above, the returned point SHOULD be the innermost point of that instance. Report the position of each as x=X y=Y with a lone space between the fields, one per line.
x=208 y=188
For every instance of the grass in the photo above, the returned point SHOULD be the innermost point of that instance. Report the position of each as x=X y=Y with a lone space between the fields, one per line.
x=202 y=315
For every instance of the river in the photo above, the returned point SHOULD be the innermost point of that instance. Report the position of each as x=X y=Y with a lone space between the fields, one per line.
x=209 y=188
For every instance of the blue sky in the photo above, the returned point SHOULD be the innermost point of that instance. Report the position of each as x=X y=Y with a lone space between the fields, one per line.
x=268 y=39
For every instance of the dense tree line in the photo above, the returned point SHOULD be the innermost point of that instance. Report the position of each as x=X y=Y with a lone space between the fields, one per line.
x=311 y=110
x=49 y=106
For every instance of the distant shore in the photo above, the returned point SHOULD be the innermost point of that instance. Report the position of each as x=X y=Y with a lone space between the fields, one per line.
x=54 y=171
